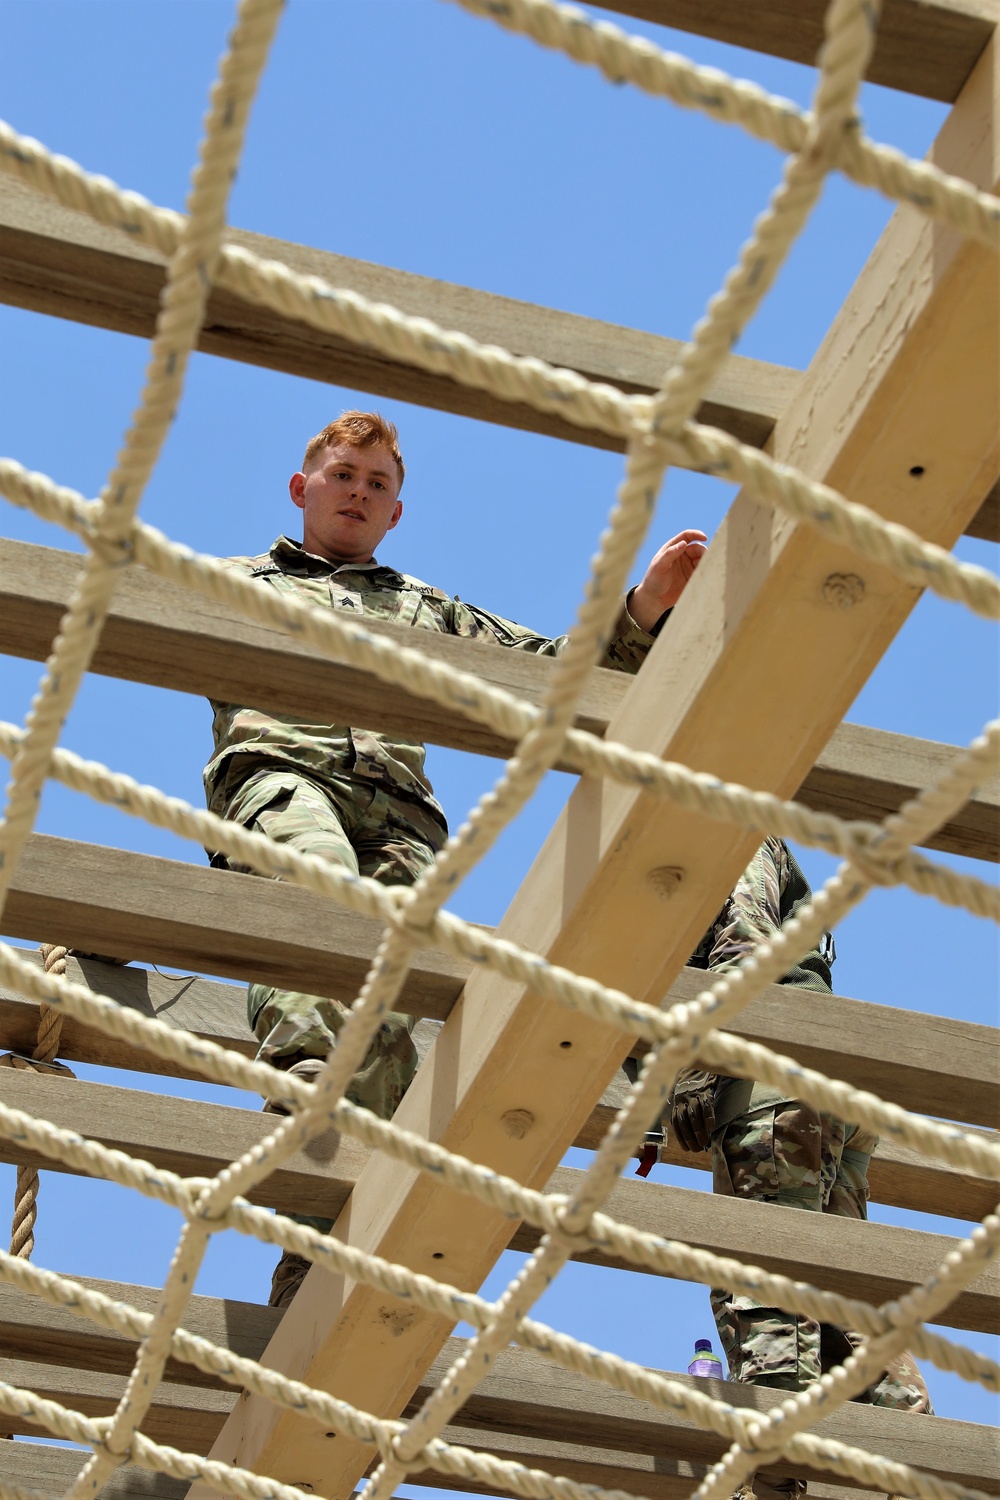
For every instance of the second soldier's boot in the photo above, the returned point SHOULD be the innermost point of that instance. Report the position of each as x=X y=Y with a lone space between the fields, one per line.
x=308 y=1069
x=290 y=1272
x=759 y=1488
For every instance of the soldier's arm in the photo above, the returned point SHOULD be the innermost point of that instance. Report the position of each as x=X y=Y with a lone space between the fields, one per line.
x=812 y=972
x=666 y=578
x=767 y=895
x=642 y=615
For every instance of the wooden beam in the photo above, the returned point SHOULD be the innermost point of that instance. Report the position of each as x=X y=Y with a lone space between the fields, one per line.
x=870 y=773
x=882 y=1056
x=896 y=1175
x=873 y=1261
x=886 y=1055
x=33 y=1330
x=986 y=522
x=163 y=911
x=38 y=1466
x=52 y=1470
x=56 y=261
x=907 y=377
x=179 y=1135
x=926 y=47
x=521 y=1395
x=266 y=929
x=182 y=1416
x=571 y=1424
x=829 y=1251
x=174 y=638
x=650 y=1474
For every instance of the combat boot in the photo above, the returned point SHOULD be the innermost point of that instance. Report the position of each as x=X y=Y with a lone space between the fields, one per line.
x=759 y=1488
x=290 y=1272
x=308 y=1069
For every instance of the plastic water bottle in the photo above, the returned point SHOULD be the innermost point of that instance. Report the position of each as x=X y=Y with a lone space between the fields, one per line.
x=705 y=1362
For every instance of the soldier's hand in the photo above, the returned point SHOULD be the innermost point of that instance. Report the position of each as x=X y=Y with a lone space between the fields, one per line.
x=692 y=1109
x=667 y=577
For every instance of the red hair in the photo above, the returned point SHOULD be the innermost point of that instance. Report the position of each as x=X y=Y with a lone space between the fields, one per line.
x=361 y=429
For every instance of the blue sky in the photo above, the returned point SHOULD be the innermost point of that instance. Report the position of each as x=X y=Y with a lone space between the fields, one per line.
x=407 y=133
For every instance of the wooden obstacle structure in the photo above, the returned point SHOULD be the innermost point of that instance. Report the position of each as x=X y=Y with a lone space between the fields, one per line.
x=908 y=376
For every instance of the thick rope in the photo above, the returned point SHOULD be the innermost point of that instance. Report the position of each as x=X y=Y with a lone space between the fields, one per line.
x=42 y=1060
x=850 y=36
x=637 y=60
x=182 y=307
x=658 y=430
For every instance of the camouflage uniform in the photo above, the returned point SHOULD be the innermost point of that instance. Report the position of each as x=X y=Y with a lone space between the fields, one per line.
x=355 y=797
x=775 y=1149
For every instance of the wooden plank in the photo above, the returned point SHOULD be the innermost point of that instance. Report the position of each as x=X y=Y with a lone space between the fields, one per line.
x=52 y=1470
x=171 y=637
x=56 y=261
x=986 y=522
x=869 y=773
x=521 y=1397
x=211 y=1010
x=898 y=1175
x=652 y=1475
x=33 y=1330
x=193 y=1139
x=829 y=1251
x=182 y=1416
x=874 y=1047
x=906 y=378
x=658 y=1477
x=175 y=638
x=165 y=911
x=872 y=1261
x=926 y=47
x=249 y=928
x=573 y=1425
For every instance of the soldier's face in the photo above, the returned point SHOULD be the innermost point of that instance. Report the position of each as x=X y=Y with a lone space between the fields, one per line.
x=349 y=499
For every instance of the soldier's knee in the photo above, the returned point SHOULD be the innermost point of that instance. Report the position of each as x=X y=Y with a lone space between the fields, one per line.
x=258 y=995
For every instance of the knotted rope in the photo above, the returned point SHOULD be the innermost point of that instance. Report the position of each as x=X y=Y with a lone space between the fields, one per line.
x=658 y=430
x=42 y=1060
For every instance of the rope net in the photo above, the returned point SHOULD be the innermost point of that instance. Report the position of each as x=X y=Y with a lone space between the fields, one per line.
x=659 y=430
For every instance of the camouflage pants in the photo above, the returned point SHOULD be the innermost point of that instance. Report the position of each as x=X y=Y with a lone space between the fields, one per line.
x=791 y=1154
x=360 y=825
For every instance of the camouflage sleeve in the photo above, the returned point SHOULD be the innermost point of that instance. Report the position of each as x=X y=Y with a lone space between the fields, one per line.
x=751 y=913
x=812 y=972
x=629 y=644
x=626 y=650
x=767 y=894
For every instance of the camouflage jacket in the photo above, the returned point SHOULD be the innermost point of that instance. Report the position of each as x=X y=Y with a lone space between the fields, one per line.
x=248 y=739
x=767 y=895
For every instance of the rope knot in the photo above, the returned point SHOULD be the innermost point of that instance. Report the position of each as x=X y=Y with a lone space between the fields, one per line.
x=386 y=1439
x=865 y=859
x=43 y=1061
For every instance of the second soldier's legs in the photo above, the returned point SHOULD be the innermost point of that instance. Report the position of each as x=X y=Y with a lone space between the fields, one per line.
x=778 y=1155
x=901 y=1386
x=793 y=1155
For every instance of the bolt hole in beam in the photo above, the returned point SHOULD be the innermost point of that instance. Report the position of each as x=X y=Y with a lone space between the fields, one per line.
x=916 y=471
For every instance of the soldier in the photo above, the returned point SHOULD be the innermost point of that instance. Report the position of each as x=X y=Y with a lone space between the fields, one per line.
x=352 y=796
x=775 y=1149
